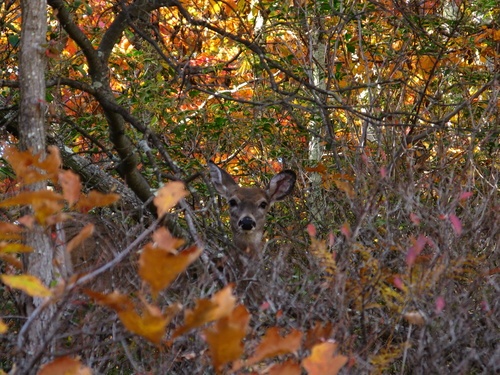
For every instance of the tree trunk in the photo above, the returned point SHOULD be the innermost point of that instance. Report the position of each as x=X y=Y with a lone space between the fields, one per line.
x=35 y=346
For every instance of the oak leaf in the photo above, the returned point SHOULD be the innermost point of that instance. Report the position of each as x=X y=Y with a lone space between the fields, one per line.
x=159 y=267
x=323 y=360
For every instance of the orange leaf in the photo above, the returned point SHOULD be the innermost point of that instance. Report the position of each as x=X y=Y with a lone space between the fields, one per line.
x=319 y=333
x=286 y=368
x=225 y=338
x=29 y=284
x=159 y=267
x=323 y=360
x=208 y=310
x=44 y=203
x=96 y=199
x=149 y=322
x=85 y=233
x=164 y=239
x=65 y=366
x=168 y=196
x=273 y=344
x=71 y=186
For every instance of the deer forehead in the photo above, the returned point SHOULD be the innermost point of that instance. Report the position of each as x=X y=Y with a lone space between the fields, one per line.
x=250 y=195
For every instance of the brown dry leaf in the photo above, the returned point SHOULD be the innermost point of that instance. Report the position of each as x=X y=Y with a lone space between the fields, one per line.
x=163 y=239
x=319 y=333
x=159 y=267
x=145 y=320
x=207 y=310
x=96 y=199
x=44 y=202
x=71 y=186
x=29 y=284
x=289 y=367
x=65 y=366
x=323 y=360
x=85 y=233
x=168 y=196
x=225 y=337
x=273 y=344
x=415 y=317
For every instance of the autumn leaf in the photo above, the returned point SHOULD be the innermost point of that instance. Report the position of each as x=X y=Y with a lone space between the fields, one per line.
x=289 y=367
x=225 y=337
x=273 y=344
x=65 y=366
x=71 y=186
x=163 y=239
x=96 y=199
x=207 y=310
x=145 y=320
x=7 y=247
x=414 y=317
x=85 y=233
x=3 y=327
x=168 y=196
x=323 y=360
x=29 y=284
x=159 y=267
x=319 y=333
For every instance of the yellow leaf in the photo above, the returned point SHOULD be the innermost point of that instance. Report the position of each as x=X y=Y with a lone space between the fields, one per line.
x=65 y=366
x=168 y=196
x=14 y=248
x=3 y=327
x=323 y=360
x=159 y=267
x=29 y=284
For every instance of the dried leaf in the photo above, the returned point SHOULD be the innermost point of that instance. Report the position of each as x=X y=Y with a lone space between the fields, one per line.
x=159 y=267
x=207 y=310
x=145 y=320
x=65 y=366
x=289 y=367
x=96 y=199
x=29 y=284
x=168 y=196
x=163 y=239
x=85 y=233
x=225 y=338
x=319 y=333
x=71 y=186
x=273 y=344
x=323 y=360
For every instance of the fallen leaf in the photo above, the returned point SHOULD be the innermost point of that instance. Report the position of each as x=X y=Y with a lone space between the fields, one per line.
x=272 y=344
x=65 y=366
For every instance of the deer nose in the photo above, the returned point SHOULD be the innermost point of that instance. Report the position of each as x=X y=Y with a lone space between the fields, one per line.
x=247 y=223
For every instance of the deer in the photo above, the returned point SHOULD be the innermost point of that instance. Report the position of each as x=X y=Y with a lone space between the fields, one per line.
x=248 y=206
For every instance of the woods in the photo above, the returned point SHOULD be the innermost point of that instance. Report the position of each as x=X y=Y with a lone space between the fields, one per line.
x=383 y=259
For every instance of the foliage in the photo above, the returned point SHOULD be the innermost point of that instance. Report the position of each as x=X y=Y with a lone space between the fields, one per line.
x=394 y=271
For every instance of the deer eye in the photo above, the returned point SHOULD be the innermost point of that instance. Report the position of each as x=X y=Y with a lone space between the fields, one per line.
x=263 y=205
x=233 y=203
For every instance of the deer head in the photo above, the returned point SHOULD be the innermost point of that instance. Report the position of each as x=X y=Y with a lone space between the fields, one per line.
x=248 y=206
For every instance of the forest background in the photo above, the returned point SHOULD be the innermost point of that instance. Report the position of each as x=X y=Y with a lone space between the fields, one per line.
x=384 y=260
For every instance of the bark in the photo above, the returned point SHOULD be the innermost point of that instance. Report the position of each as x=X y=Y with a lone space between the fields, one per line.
x=33 y=341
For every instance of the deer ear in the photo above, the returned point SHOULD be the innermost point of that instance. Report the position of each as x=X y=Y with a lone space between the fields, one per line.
x=281 y=185
x=223 y=182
